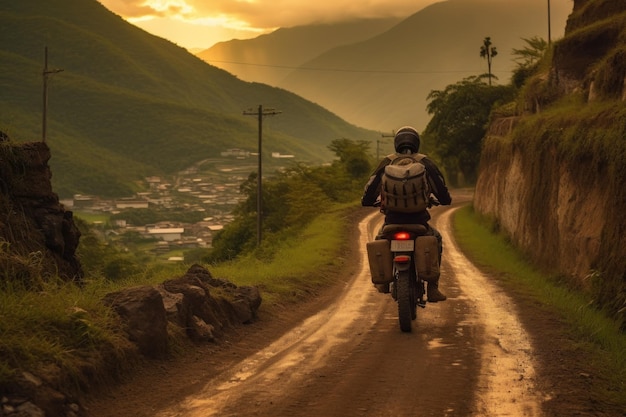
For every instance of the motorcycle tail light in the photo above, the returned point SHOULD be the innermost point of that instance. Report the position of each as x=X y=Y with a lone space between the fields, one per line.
x=402 y=258
x=402 y=236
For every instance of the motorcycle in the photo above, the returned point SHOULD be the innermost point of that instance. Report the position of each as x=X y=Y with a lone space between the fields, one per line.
x=403 y=259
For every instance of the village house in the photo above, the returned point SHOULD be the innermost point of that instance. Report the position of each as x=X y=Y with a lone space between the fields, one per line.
x=169 y=234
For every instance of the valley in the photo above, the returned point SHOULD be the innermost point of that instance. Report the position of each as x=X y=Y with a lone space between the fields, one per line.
x=176 y=214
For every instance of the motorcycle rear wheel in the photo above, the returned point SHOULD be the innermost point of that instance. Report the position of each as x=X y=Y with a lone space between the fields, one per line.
x=406 y=300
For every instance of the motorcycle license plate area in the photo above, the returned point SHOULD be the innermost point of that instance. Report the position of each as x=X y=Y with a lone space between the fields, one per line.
x=402 y=245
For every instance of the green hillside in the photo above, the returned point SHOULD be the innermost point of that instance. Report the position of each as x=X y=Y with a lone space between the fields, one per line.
x=128 y=104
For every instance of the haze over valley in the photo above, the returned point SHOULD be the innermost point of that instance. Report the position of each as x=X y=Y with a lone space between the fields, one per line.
x=378 y=73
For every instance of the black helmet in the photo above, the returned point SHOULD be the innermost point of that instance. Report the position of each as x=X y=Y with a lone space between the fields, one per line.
x=407 y=138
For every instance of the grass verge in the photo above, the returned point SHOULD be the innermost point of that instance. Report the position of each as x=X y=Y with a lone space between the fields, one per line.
x=599 y=337
x=307 y=260
x=62 y=334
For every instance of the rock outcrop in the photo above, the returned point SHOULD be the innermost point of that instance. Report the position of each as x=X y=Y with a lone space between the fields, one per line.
x=38 y=241
x=203 y=306
x=38 y=236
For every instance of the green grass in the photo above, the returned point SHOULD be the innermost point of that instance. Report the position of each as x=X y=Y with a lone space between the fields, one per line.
x=303 y=262
x=594 y=331
x=68 y=328
x=61 y=327
x=298 y=262
x=92 y=218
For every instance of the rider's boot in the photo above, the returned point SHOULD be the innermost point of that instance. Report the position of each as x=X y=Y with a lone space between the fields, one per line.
x=382 y=288
x=433 y=293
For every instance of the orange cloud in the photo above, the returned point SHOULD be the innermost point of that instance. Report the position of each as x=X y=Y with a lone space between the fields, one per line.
x=201 y=23
x=265 y=13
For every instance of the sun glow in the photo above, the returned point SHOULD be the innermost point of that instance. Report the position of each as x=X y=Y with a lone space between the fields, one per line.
x=202 y=23
x=171 y=8
x=183 y=12
x=196 y=33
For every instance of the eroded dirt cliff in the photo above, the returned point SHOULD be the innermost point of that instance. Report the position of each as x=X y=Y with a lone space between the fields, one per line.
x=552 y=175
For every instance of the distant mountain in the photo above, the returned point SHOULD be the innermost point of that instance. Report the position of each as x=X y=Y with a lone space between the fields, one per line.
x=382 y=82
x=270 y=58
x=128 y=104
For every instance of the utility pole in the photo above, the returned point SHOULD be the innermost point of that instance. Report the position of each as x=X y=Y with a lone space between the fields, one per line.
x=393 y=134
x=46 y=73
x=259 y=187
x=549 y=29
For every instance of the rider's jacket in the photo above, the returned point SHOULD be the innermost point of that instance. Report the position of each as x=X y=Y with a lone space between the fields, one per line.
x=371 y=195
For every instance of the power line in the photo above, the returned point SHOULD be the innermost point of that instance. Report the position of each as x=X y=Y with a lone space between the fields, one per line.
x=383 y=135
x=351 y=70
x=46 y=73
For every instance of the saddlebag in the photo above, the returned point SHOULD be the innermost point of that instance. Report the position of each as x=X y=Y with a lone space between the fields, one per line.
x=379 y=256
x=427 y=258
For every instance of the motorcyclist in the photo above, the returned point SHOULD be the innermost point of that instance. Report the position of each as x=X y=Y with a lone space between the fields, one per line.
x=407 y=141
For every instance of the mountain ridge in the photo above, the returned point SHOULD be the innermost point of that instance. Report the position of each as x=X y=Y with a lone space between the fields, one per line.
x=390 y=74
x=248 y=58
x=129 y=104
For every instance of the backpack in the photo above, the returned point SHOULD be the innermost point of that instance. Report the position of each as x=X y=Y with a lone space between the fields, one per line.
x=404 y=184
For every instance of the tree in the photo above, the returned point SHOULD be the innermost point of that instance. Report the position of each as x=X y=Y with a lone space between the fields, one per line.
x=527 y=59
x=533 y=51
x=488 y=52
x=458 y=125
x=292 y=198
x=353 y=154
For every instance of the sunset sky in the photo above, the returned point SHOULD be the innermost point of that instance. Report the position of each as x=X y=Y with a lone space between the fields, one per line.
x=198 y=24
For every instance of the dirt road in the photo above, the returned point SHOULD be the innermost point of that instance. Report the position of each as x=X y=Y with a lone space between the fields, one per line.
x=341 y=353
x=468 y=356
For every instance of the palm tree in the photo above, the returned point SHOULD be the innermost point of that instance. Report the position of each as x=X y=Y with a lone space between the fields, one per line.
x=487 y=51
x=533 y=51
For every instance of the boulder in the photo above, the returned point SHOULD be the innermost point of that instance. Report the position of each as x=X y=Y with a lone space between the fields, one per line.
x=232 y=306
x=144 y=316
x=188 y=302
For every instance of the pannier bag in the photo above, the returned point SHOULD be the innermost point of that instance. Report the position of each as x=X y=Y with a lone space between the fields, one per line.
x=404 y=185
x=427 y=258
x=381 y=264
